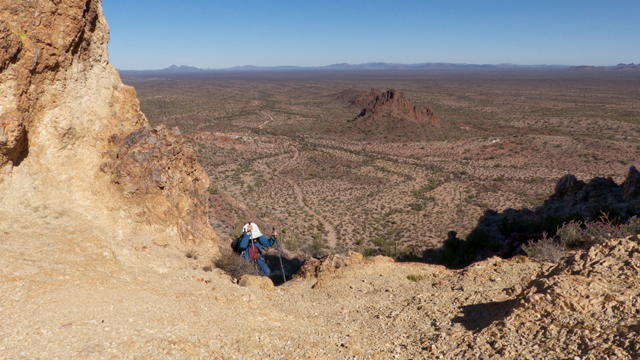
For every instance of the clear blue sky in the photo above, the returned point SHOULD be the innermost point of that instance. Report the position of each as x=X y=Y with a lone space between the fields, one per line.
x=155 y=34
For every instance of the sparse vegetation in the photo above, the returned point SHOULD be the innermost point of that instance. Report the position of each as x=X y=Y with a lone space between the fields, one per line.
x=545 y=249
x=497 y=152
x=584 y=234
x=234 y=265
x=415 y=278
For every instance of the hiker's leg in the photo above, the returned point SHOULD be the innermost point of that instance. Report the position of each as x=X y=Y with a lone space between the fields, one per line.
x=264 y=269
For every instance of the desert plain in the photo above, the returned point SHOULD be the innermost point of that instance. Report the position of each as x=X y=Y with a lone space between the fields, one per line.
x=285 y=144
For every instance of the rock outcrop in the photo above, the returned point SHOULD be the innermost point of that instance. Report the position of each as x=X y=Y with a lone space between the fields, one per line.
x=586 y=306
x=504 y=233
x=393 y=104
x=387 y=116
x=160 y=181
x=64 y=112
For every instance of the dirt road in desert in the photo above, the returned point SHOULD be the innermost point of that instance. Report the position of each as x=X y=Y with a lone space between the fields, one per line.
x=332 y=239
x=266 y=122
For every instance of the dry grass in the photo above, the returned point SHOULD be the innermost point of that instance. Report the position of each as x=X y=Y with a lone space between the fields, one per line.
x=234 y=265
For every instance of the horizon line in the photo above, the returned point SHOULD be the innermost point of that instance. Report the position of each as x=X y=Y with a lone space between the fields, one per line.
x=372 y=66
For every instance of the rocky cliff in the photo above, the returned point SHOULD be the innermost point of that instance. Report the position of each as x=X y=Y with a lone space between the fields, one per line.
x=72 y=137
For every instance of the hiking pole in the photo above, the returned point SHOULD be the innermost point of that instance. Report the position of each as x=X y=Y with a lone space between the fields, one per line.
x=279 y=256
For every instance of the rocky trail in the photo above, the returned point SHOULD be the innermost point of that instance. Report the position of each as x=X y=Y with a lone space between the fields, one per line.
x=71 y=291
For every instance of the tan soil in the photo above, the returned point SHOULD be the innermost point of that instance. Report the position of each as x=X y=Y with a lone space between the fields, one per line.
x=71 y=290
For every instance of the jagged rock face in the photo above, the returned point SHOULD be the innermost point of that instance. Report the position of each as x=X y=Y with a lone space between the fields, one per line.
x=61 y=106
x=12 y=135
x=395 y=104
x=161 y=180
x=631 y=186
x=573 y=195
x=572 y=198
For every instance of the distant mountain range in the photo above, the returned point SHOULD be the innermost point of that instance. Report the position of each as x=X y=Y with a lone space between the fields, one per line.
x=173 y=69
x=620 y=66
x=183 y=69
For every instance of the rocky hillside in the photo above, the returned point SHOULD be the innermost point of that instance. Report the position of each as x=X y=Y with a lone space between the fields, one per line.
x=73 y=141
x=64 y=296
x=389 y=114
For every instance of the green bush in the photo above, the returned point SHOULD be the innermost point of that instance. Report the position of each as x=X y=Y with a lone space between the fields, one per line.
x=291 y=241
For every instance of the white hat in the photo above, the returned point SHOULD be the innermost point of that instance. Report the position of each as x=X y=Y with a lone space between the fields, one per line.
x=255 y=232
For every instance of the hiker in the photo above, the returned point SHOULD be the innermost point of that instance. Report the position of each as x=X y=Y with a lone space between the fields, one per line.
x=251 y=244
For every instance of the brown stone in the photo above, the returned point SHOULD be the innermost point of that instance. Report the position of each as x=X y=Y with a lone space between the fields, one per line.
x=262 y=282
x=12 y=136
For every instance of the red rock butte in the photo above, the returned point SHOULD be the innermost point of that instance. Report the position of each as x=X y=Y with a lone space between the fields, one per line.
x=393 y=103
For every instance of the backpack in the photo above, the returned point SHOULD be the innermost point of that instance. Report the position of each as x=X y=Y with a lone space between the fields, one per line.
x=253 y=249
x=235 y=245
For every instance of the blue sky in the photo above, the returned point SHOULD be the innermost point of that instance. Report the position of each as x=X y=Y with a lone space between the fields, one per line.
x=215 y=34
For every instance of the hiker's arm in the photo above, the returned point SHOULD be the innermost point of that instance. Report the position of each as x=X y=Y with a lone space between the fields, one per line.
x=244 y=241
x=267 y=242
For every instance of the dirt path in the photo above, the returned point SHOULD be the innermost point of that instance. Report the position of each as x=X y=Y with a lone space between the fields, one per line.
x=265 y=123
x=332 y=239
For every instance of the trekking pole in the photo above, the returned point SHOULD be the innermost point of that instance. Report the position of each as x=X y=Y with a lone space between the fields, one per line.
x=279 y=256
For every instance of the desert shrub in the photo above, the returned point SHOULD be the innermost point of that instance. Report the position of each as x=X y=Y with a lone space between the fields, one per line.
x=578 y=234
x=597 y=232
x=415 y=278
x=408 y=255
x=291 y=241
x=606 y=213
x=237 y=231
x=545 y=249
x=633 y=226
x=213 y=189
x=234 y=265
x=317 y=247
x=570 y=234
x=383 y=246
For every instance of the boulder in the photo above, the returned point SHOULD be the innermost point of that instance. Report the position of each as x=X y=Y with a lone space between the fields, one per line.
x=316 y=268
x=261 y=282
x=631 y=185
